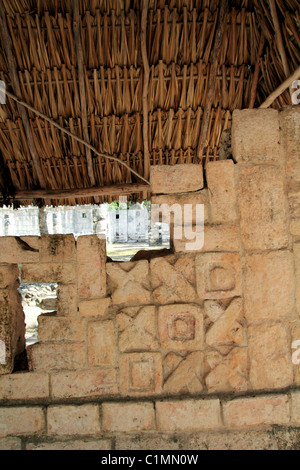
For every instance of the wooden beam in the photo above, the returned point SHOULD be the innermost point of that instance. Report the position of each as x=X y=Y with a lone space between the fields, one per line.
x=76 y=193
x=286 y=84
x=145 y=90
x=220 y=31
x=256 y=71
x=11 y=62
x=82 y=91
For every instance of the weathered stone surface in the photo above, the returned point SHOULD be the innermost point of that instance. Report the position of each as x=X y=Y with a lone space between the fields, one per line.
x=227 y=330
x=8 y=275
x=295 y=227
x=21 y=420
x=218 y=275
x=295 y=407
x=128 y=417
x=129 y=282
x=219 y=238
x=270 y=356
x=241 y=440
x=255 y=411
x=22 y=386
x=91 y=265
x=179 y=201
x=269 y=286
x=58 y=356
x=255 y=135
x=101 y=343
x=10 y=443
x=222 y=193
x=172 y=283
x=170 y=179
x=262 y=205
x=183 y=374
x=229 y=373
x=140 y=374
x=60 y=248
x=84 y=383
x=12 y=251
x=181 y=327
x=48 y=272
x=73 y=420
x=290 y=141
x=295 y=336
x=95 y=307
x=137 y=329
x=54 y=328
x=294 y=205
x=188 y=415
x=67 y=299
x=148 y=441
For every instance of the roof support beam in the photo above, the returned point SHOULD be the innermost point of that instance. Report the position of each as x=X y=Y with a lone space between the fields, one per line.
x=145 y=90
x=7 y=45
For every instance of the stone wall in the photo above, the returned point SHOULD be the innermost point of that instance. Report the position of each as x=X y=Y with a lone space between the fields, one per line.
x=193 y=350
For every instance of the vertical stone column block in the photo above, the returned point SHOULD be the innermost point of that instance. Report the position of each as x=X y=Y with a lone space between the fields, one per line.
x=222 y=193
x=12 y=324
x=91 y=266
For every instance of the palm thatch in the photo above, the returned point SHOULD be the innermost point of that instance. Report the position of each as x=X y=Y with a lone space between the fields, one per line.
x=81 y=64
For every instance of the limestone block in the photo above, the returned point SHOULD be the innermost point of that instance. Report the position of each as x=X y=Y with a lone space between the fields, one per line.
x=128 y=417
x=60 y=248
x=52 y=328
x=239 y=440
x=101 y=343
x=183 y=374
x=297 y=271
x=269 y=286
x=170 y=179
x=219 y=238
x=48 y=272
x=181 y=327
x=221 y=189
x=95 y=307
x=84 y=383
x=270 y=409
x=262 y=205
x=178 y=202
x=22 y=386
x=58 y=356
x=295 y=337
x=270 y=356
x=67 y=299
x=137 y=329
x=218 y=275
x=290 y=140
x=129 y=282
x=226 y=374
x=188 y=415
x=295 y=399
x=91 y=265
x=9 y=274
x=172 y=280
x=255 y=135
x=73 y=420
x=19 y=250
x=140 y=374
x=21 y=420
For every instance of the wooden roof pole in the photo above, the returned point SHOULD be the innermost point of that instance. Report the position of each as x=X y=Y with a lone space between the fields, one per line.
x=145 y=91
x=279 y=40
x=256 y=71
x=82 y=92
x=220 y=30
x=7 y=45
x=282 y=87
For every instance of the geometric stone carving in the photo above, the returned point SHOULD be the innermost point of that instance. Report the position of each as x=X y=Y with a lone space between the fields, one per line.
x=129 y=282
x=183 y=374
x=227 y=373
x=180 y=327
x=137 y=329
x=218 y=275
x=140 y=373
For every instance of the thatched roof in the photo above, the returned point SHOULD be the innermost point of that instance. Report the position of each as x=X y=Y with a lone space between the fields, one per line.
x=88 y=75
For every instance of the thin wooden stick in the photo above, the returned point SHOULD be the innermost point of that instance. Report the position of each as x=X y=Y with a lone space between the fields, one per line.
x=279 y=38
x=80 y=192
x=145 y=89
x=256 y=71
x=286 y=84
x=82 y=90
x=220 y=30
x=6 y=42
x=73 y=136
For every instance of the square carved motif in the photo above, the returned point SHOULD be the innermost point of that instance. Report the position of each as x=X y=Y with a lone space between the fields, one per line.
x=218 y=275
x=180 y=327
x=141 y=373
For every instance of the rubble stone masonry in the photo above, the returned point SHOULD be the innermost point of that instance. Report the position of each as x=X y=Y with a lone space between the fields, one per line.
x=193 y=350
